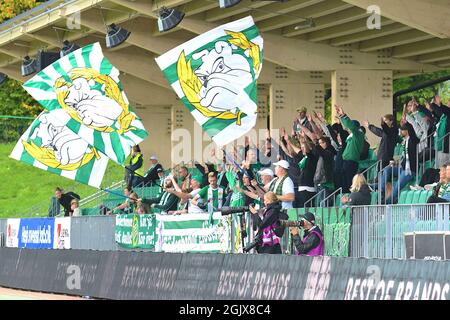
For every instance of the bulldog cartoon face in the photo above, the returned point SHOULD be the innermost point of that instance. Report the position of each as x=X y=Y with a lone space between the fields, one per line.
x=68 y=147
x=223 y=75
x=93 y=108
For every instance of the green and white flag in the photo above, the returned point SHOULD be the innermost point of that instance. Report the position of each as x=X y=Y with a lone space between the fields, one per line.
x=215 y=76
x=49 y=145
x=86 y=86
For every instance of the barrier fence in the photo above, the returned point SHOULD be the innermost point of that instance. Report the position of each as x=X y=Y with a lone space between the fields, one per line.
x=378 y=231
x=138 y=275
x=369 y=231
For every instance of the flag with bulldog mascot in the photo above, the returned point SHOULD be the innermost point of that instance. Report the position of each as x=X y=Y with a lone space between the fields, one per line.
x=215 y=76
x=51 y=146
x=86 y=86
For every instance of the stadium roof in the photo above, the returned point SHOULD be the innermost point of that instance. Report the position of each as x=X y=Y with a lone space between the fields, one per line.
x=414 y=34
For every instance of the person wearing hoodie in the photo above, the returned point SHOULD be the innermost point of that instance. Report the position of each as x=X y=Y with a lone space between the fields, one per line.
x=360 y=192
x=267 y=221
x=352 y=152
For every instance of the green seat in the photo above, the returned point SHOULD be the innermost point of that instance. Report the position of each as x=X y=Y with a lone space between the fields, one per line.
x=374 y=198
x=402 y=199
x=89 y=211
x=416 y=196
x=409 y=196
x=424 y=196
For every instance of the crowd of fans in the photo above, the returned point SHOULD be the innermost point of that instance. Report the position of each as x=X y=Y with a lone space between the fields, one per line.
x=315 y=157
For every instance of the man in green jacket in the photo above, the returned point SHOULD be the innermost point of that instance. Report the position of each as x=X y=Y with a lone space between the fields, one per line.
x=353 y=148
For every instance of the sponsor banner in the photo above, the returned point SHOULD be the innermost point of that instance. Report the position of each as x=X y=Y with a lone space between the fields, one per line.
x=36 y=233
x=175 y=276
x=136 y=231
x=12 y=233
x=62 y=233
x=192 y=233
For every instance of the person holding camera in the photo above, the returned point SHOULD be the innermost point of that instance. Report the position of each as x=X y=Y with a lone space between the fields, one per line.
x=269 y=230
x=312 y=243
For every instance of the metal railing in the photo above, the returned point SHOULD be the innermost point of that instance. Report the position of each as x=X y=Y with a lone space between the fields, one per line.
x=441 y=157
x=331 y=199
x=422 y=156
x=317 y=196
x=378 y=231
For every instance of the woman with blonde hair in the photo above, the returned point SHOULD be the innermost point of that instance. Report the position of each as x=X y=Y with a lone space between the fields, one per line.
x=360 y=192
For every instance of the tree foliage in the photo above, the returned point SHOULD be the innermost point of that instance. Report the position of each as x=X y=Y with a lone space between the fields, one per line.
x=14 y=100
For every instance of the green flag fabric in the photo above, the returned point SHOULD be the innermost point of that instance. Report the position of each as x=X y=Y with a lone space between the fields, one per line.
x=215 y=76
x=53 y=147
x=86 y=86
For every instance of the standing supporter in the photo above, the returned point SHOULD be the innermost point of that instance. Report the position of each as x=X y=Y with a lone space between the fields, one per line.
x=282 y=186
x=388 y=132
x=65 y=200
x=135 y=168
x=213 y=195
x=407 y=168
x=151 y=176
x=442 y=135
x=352 y=152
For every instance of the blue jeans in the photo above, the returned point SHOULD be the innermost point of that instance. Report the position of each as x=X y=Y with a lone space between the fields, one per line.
x=401 y=182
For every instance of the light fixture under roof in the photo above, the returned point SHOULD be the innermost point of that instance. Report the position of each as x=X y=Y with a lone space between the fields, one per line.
x=169 y=18
x=67 y=48
x=308 y=23
x=116 y=36
x=228 y=3
x=28 y=66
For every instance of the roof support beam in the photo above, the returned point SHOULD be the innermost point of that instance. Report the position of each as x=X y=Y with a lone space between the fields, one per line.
x=401 y=38
x=423 y=47
x=341 y=30
x=300 y=55
x=430 y=16
x=328 y=21
x=369 y=34
x=434 y=57
x=297 y=16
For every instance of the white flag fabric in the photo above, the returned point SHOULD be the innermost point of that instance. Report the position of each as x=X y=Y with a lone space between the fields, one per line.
x=215 y=76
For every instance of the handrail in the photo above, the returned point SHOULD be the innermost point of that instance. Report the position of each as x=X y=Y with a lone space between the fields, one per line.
x=314 y=197
x=332 y=194
x=379 y=162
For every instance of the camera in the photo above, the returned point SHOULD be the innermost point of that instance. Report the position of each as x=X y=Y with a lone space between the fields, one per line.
x=256 y=242
x=230 y=210
x=297 y=224
x=201 y=204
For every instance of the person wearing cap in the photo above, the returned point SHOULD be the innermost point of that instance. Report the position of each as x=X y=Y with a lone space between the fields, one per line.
x=407 y=168
x=151 y=176
x=312 y=243
x=167 y=201
x=283 y=186
x=353 y=149
x=301 y=120
x=135 y=168
x=256 y=191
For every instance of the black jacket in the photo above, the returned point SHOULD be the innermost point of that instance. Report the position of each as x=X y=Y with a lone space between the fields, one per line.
x=310 y=243
x=360 y=198
x=327 y=156
x=412 y=149
x=65 y=200
x=389 y=138
x=306 y=178
x=438 y=111
x=151 y=177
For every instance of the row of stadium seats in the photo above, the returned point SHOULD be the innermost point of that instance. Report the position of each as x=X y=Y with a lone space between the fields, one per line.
x=414 y=196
